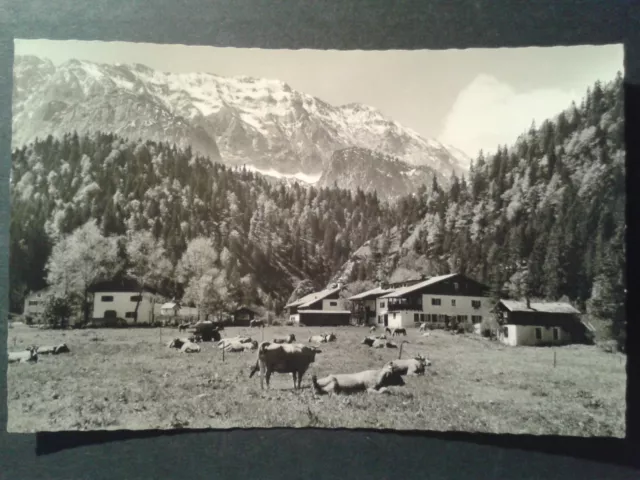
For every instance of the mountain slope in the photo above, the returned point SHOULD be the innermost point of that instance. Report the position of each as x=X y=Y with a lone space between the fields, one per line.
x=242 y=120
x=354 y=167
x=542 y=217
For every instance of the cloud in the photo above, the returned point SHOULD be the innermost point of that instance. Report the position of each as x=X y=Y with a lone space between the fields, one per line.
x=488 y=113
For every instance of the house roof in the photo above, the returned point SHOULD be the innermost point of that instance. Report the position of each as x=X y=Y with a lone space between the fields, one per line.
x=119 y=285
x=373 y=293
x=545 y=307
x=401 y=292
x=169 y=305
x=244 y=307
x=310 y=299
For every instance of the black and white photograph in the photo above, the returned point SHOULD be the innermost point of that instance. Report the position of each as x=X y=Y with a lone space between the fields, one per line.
x=207 y=237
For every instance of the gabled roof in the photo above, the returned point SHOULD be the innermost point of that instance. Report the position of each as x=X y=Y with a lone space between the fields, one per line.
x=401 y=292
x=125 y=284
x=373 y=293
x=545 y=307
x=169 y=305
x=312 y=298
x=245 y=307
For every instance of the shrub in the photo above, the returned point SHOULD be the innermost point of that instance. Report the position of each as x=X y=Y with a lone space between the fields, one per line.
x=57 y=311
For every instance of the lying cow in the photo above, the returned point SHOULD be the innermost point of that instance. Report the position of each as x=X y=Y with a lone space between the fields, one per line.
x=190 y=347
x=227 y=341
x=411 y=366
x=53 y=350
x=30 y=355
x=292 y=358
x=178 y=342
x=368 y=341
x=369 y=380
x=383 y=344
x=330 y=337
x=318 y=338
x=256 y=323
x=373 y=329
x=284 y=338
x=241 y=347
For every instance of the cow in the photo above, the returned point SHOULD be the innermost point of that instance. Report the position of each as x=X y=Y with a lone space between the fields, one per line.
x=330 y=337
x=183 y=327
x=411 y=366
x=380 y=337
x=30 y=355
x=294 y=358
x=226 y=341
x=396 y=331
x=373 y=329
x=53 y=350
x=178 y=342
x=426 y=334
x=208 y=331
x=256 y=323
x=368 y=341
x=241 y=347
x=383 y=344
x=367 y=381
x=190 y=347
x=290 y=338
x=318 y=338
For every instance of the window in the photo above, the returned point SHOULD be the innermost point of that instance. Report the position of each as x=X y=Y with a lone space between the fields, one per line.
x=422 y=317
x=555 y=334
x=435 y=301
x=107 y=298
x=136 y=298
x=453 y=302
x=333 y=304
x=476 y=319
x=441 y=317
x=475 y=303
x=381 y=304
x=505 y=332
x=33 y=303
x=379 y=318
x=538 y=334
x=130 y=315
x=416 y=317
x=456 y=286
x=110 y=314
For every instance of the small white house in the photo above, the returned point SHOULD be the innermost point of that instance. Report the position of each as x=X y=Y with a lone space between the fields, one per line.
x=123 y=299
x=539 y=323
x=324 y=308
x=435 y=300
x=34 y=303
x=169 y=309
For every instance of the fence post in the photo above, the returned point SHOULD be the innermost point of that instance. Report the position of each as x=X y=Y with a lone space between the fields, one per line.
x=400 y=353
x=554 y=358
x=223 y=354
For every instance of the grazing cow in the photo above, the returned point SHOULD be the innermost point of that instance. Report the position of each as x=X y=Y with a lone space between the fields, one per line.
x=318 y=338
x=387 y=330
x=284 y=338
x=256 y=323
x=369 y=380
x=190 y=348
x=183 y=327
x=30 y=355
x=396 y=331
x=383 y=344
x=330 y=337
x=292 y=358
x=208 y=331
x=373 y=328
x=53 y=350
x=411 y=366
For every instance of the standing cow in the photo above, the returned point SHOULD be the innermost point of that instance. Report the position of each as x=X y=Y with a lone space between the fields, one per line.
x=283 y=358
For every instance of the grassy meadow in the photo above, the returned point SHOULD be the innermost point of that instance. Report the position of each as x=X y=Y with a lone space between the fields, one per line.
x=129 y=379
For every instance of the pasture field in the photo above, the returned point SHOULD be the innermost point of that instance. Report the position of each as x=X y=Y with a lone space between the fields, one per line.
x=129 y=379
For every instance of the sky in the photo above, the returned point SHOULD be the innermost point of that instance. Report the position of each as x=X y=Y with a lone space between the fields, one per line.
x=472 y=99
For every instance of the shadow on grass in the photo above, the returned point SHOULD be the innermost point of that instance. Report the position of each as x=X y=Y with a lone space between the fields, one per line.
x=606 y=450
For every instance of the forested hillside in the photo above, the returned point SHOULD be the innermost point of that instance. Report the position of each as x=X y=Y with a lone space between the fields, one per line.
x=544 y=217
x=262 y=236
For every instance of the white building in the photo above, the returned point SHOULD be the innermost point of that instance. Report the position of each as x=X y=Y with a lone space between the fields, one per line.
x=366 y=304
x=324 y=308
x=124 y=300
x=34 y=304
x=436 y=300
x=540 y=323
